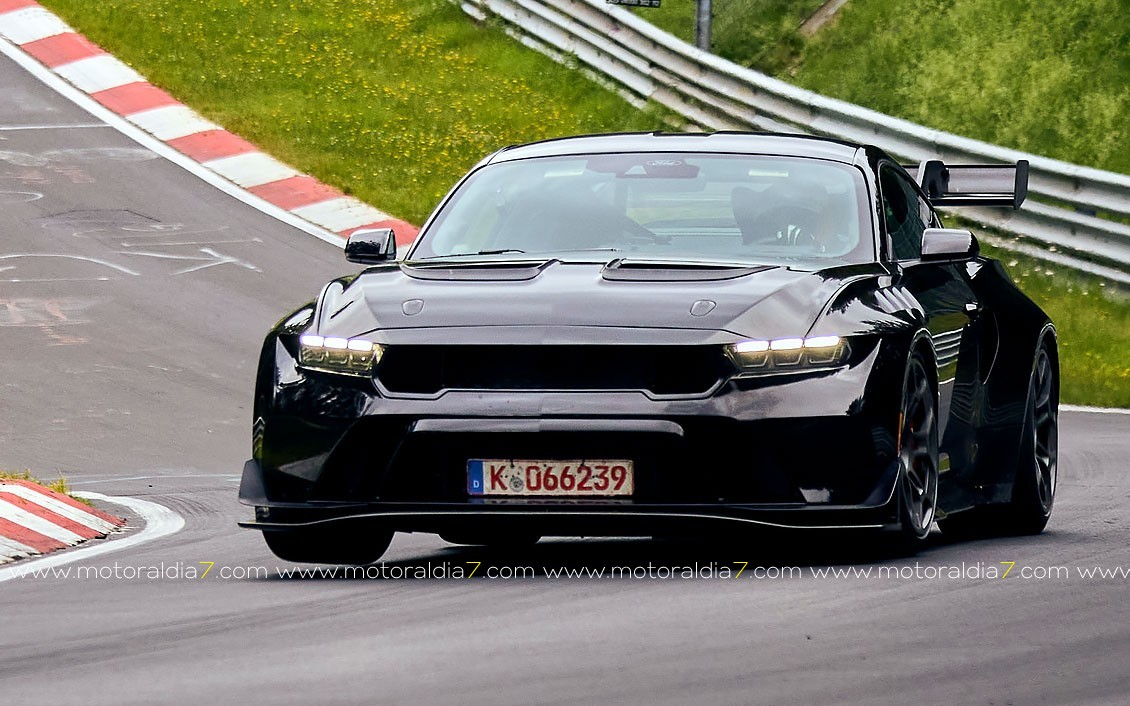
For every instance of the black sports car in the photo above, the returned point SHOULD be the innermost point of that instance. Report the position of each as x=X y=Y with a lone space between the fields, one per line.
x=648 y=334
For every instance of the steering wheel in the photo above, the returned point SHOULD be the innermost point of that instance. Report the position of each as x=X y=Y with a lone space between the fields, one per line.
x=791 y=224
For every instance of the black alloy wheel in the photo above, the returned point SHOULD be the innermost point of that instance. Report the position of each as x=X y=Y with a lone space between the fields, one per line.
x=918 y=454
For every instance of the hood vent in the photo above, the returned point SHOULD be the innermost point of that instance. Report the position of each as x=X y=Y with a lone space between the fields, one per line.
x=506 y=271
x=623 y=270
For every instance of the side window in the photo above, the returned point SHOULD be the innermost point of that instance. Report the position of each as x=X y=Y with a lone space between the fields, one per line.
x=905 y=213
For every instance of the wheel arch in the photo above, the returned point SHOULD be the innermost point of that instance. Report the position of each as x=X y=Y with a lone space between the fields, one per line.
x=923 y=342
x=267 y=372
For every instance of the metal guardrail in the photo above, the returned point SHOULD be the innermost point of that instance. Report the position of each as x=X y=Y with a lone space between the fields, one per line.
x=1076 y=215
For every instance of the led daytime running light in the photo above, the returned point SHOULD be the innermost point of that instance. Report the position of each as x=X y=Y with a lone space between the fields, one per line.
x=347 y=356
x=785 y=354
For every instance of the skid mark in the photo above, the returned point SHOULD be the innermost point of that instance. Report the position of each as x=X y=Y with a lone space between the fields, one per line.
x=19 y=196
x=211 y=259
x=81 y=258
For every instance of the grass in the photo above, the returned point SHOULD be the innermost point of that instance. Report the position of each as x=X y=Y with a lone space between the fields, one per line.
x=390 y=100
x=59 y=485
x=763 y=34
x=1043 y=76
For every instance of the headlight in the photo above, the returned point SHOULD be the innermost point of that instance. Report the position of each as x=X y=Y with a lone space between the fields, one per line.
x=347 y=356
x=783 y=355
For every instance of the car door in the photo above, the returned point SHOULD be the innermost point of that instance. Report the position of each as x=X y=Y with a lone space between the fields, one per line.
x=952 y=316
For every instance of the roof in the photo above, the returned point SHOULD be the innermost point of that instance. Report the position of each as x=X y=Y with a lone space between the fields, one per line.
x=717 y=142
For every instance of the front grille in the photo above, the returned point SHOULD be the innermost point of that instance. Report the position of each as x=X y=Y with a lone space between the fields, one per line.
x=660 y=370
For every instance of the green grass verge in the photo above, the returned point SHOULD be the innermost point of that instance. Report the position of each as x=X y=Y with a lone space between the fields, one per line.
x=59 y=485
x=764 y=34
x=390 y=100
x=1045 y=76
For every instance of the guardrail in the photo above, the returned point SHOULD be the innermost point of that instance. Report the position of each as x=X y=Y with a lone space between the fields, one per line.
x=1075 y=218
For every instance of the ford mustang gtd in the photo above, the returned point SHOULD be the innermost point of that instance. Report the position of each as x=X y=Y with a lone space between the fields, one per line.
x=648 y=334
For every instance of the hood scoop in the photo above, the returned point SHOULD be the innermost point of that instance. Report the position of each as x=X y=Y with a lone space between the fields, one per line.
x=505 y=271
x=624 y=270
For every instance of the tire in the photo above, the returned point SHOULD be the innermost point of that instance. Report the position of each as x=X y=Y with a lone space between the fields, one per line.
x=1037 y=472
x=918 y=457
x=327 y=546
x=494 y=540
x=1034 y=485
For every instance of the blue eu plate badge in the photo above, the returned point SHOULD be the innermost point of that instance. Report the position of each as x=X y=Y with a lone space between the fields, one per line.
x=475 y=477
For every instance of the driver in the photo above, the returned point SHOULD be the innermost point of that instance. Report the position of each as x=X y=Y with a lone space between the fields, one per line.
x=794 y=212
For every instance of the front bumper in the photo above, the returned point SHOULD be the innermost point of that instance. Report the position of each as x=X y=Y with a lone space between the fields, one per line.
x=549 y=517
x=813 y=451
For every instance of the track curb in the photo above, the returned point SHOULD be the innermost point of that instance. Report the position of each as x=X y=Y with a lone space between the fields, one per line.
x=44 y=37
x=36 y=520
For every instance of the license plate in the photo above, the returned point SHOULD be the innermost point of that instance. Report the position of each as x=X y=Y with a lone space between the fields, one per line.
x=603 y=477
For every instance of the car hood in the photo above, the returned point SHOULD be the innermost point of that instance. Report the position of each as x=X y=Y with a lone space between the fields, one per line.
x=519 y=301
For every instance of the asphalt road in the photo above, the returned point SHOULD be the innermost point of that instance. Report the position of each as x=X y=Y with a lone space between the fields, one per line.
x=133 y=299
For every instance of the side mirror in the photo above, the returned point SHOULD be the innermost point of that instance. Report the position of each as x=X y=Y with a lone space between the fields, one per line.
x=949 y=244
x=371 y=246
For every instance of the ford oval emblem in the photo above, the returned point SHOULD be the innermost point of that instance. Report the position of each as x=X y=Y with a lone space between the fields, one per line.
x=702 y=307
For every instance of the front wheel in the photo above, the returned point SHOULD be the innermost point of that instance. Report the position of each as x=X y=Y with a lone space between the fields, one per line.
x=328 y=545
x=918 y=456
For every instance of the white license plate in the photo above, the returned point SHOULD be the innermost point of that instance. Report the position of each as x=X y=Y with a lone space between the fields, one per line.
x=599 y=477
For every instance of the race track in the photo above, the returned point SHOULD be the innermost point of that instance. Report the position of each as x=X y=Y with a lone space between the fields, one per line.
x=133 y=300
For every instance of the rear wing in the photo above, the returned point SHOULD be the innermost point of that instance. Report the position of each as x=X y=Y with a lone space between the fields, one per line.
x=974 y=184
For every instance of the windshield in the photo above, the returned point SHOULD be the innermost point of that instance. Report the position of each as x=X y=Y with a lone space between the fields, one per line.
x=661 y=206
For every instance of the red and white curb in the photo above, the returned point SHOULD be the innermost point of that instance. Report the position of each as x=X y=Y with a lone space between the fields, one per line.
x=36 y=520
x=156 y=521
x=41 y=35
